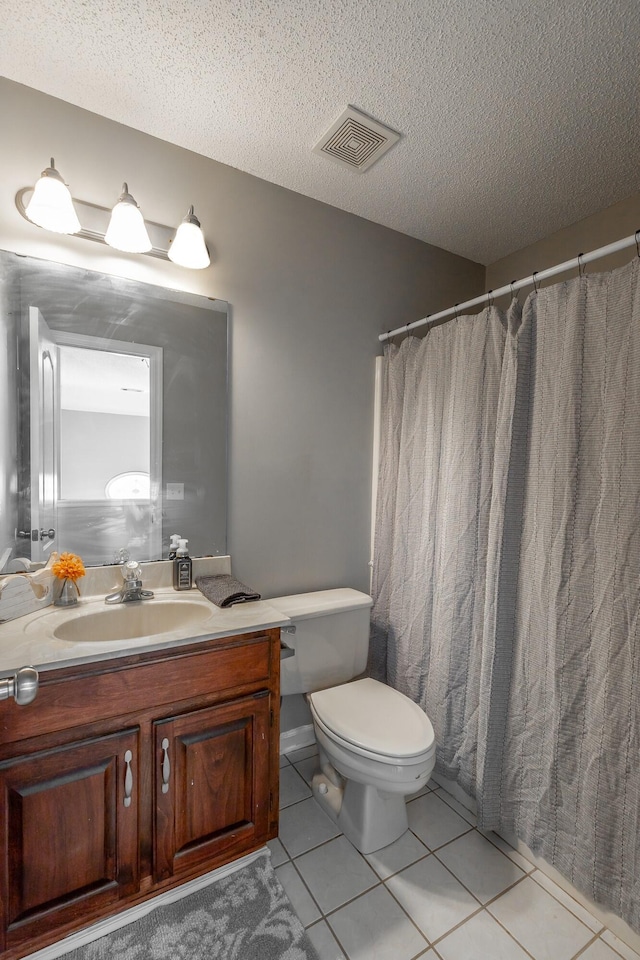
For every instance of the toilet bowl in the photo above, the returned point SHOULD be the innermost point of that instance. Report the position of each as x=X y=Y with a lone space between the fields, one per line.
x=382 y=746
x=376 y=746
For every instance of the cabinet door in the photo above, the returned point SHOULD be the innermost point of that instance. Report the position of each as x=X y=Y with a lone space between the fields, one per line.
x=69 y=833
x=212 y=785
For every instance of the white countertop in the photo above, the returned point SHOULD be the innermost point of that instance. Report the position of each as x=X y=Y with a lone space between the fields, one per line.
x=31 y=640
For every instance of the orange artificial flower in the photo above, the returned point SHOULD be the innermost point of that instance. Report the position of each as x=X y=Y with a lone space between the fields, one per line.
x=68 y=567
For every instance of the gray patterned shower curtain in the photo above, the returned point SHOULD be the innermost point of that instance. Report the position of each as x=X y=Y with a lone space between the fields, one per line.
x=440 y=402
x=536 y=698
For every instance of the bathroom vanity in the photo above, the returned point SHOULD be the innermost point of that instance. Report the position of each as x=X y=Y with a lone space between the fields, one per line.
x=134 y=771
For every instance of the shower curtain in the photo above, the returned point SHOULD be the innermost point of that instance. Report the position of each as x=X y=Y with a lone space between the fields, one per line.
x=560 y=744
x=440 y=400
x=535 y=698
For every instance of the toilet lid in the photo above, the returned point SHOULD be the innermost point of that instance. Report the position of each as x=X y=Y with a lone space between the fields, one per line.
x=375 y=717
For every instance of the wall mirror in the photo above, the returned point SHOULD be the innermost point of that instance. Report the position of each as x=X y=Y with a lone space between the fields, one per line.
x=113 y=417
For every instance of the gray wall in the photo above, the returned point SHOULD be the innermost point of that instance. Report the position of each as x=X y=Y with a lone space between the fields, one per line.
x=310 y=288
x=606 y=226
x=94 y=447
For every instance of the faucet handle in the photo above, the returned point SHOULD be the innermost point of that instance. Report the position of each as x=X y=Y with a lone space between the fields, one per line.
x=131 y=570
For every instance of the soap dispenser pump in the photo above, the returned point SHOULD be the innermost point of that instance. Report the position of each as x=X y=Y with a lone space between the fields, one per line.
x=182 y=567
x=173 y=546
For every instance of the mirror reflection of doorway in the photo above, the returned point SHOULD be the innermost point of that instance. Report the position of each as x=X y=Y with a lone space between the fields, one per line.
x=107 y=430
x=43 y=450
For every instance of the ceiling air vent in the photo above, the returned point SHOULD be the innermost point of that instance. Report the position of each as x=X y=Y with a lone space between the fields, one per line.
x=356 y=141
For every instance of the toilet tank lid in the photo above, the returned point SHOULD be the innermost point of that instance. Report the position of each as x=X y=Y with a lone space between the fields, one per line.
x=303 y=606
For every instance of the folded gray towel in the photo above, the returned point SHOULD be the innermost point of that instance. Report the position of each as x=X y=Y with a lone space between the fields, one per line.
x=224 y=590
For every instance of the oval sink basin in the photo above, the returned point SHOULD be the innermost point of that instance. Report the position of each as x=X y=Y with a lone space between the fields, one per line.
x=127 y=621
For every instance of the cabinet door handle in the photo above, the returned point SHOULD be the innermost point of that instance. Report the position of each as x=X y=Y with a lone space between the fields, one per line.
x=166 y=766
x=128 y=779
x=22 y=686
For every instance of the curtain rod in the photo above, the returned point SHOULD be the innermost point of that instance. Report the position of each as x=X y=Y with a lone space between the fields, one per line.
x=534 y=278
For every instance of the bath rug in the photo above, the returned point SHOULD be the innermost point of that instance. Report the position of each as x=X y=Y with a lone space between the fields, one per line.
x=243 y=916
x=224 y=590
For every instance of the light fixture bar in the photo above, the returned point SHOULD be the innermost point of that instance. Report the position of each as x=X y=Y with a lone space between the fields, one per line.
x=94 y=221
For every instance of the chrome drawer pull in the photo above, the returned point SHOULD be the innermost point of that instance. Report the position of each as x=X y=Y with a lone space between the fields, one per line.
x=166 y=766
x=128 y=779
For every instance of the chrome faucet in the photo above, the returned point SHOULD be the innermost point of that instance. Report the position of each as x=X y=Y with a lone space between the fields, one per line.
x=132 y=586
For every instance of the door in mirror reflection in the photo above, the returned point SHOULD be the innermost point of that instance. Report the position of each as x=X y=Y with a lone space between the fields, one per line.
x=105 y=434
x=43 y=414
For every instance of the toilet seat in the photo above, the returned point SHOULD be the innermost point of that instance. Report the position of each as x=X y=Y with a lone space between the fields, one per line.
x=374 y=721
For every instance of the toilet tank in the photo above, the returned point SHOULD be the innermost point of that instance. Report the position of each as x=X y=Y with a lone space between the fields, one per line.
x=330 y=639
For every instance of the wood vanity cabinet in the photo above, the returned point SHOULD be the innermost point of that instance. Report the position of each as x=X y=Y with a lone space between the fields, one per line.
x=128 y=776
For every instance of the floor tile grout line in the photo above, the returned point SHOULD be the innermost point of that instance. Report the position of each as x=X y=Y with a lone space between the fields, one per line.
x=316 y=846
x=405 y=867
x=491 y=900
x=302 y=880
x=507 y=931
x=437 y=939
x=590 y=943
x=482 y=906
x=596 y=935
x=617 y=952
x=333 y=932
x=378 y=883
x=451 y=807
x=535 y=871
x=542 y=887
x=491 y=833
x=445 y=844
x=410 y=918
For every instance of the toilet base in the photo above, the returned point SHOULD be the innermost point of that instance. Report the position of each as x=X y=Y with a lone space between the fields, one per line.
x=369 y=818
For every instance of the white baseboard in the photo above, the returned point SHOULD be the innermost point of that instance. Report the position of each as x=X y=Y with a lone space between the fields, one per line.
x=109 y=924
x=297 y=738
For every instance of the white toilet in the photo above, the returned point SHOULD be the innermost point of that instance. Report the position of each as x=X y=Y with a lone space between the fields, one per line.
x=376 y=746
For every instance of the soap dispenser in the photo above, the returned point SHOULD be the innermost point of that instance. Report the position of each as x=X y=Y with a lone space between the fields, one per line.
x=173 y=546
x=182 y=568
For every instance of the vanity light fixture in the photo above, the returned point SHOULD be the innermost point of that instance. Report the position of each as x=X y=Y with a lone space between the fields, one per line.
x=51 y=205
x=188 y=248
x=127 y=230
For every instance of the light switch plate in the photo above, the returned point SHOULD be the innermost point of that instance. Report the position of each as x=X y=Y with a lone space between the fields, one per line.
x=175 y=491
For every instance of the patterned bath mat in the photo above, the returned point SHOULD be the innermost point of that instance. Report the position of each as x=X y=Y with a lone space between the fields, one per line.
x=243 y=916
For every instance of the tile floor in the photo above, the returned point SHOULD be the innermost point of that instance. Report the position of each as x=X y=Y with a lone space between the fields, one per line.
x=443 y=890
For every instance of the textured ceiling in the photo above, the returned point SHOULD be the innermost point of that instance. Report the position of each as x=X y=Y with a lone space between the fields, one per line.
x=517 y=117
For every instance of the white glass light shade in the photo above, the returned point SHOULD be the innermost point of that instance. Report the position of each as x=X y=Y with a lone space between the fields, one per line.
x=51 y=205
x=127 y=230
x=188 y=248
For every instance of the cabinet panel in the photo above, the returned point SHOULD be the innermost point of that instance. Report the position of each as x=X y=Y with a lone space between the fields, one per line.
x=212 y=784
x=85 y=832
x=69 y=838
x=112 y=689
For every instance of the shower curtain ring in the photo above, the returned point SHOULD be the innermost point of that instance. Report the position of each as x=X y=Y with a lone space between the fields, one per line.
x=455 y=311
x=638 y=242
x=581 y=266
x=489 y=298
x=535 y=282
x=513 y=292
